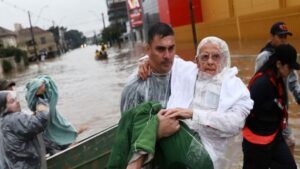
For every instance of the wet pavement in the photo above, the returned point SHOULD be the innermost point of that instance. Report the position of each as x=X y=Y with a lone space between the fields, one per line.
x=90 y=90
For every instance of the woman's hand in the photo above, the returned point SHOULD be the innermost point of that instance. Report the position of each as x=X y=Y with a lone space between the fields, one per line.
x=179 y=113
x=167 y=126
x=144 y=70
x=41 y=90
x=42 y=108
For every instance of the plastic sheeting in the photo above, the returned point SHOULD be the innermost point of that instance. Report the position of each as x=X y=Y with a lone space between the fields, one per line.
x=19 y=147
x=155 y=88
x=220 y=104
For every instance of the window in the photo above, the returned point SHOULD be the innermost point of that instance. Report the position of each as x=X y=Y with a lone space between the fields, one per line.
x=43 y=40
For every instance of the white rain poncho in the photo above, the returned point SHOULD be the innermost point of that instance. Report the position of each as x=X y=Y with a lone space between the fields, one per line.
x=155 y=88
x=220 y=105
x=19 y=146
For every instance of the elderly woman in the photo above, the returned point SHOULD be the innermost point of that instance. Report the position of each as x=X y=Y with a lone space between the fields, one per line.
x=220 y=104
x=19 y=146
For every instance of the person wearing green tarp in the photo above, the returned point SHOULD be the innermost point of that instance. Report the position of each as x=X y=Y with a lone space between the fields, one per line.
x=59 y=133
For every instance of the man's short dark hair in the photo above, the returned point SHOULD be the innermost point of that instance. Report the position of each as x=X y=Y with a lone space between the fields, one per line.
x=160 y=29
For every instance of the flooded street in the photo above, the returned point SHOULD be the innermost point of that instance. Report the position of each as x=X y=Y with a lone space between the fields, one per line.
x=90 y=90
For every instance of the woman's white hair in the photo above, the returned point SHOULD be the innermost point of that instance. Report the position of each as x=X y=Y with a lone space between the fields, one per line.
x=223 y=47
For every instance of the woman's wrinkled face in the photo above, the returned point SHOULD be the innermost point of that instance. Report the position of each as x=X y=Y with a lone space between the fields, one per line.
x=12 y=103
x=209 y=59
x=41 y=90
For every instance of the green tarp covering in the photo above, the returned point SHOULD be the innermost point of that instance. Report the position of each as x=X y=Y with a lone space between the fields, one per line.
x=137 y=132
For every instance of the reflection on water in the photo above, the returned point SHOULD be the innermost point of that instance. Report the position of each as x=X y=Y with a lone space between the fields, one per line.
x=89 y=90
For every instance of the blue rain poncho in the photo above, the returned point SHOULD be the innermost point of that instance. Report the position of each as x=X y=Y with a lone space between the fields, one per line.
x=59 y=130
x=19 y=146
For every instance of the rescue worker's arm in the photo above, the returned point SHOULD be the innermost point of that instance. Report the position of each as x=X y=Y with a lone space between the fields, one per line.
x=293 y=84
x=261 y=59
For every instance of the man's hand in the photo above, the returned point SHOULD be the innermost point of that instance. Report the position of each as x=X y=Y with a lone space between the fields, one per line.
x=167 y=125
x=179 y=113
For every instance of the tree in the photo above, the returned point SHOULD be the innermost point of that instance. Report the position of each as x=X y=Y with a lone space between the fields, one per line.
x=74 y=38
x=112 y=33
x=57 y=31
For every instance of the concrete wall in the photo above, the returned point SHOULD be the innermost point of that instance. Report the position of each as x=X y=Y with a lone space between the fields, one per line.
x=244 y=20
x=244 y=7
x=213 y=10
x=290 y=3
x=247 y=19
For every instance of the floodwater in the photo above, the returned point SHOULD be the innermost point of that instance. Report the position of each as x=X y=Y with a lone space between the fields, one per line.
x=90 y=90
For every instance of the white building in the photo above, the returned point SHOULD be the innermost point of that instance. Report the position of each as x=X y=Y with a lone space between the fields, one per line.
x=7 y=38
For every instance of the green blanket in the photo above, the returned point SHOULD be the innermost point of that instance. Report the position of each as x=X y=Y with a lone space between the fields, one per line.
x=137 y=132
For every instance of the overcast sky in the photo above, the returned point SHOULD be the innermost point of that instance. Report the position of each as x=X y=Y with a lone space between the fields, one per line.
x=82 y=15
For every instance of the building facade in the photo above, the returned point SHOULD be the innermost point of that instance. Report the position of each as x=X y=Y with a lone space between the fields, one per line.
x=150 y=15
x=117 y=13
x=244 y=20
x=44 y=42
x=7 y=38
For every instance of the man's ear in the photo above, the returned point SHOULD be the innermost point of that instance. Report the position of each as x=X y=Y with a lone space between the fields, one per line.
x=147 y=48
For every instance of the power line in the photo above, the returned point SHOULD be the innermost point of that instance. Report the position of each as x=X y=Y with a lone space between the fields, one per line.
x=82 y=23
x=25 y=10
x=38 y=16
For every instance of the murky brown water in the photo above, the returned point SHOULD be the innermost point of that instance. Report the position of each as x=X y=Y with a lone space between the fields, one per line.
x=89 y=90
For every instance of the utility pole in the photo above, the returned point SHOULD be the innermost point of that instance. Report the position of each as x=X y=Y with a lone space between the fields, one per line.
x=32 y=37
x=103 y=20
x=56 y=41
x=193 y=24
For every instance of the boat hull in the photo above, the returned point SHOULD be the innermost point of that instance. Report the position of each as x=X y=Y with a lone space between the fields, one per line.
x=91 y=153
